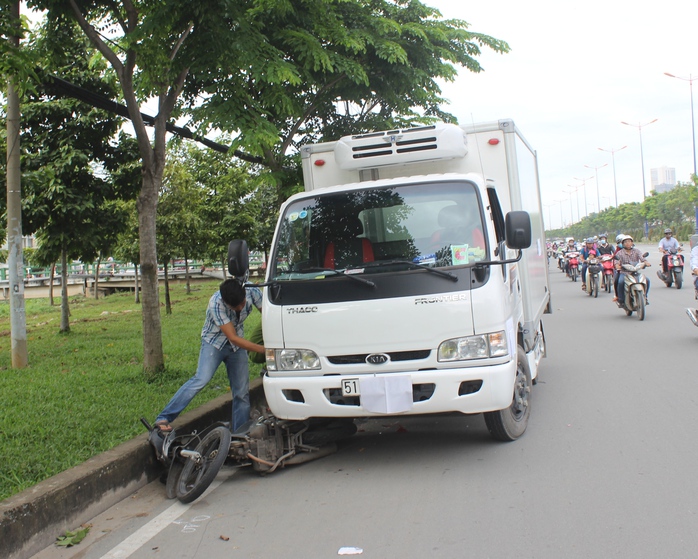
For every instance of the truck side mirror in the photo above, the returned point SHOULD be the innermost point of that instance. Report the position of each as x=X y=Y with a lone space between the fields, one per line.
x=238 y=258
x=517 y=230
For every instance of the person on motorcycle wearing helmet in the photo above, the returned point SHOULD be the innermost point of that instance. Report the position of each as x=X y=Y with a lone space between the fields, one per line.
x=666 y=245
x=587 y=250
x=604 y=247
x=619 y=241
x=693 y=313
x=627 y=255
x=569 y=247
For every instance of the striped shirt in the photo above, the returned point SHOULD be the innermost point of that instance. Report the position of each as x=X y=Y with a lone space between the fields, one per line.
x=219 y=313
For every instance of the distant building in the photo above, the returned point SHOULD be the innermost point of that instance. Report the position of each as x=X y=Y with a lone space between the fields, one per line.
x=663 y=179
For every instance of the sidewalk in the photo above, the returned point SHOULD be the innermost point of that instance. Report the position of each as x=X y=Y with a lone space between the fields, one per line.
x=33 y=519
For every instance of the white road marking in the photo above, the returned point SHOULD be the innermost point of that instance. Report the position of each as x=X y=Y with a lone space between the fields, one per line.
x=147 y=532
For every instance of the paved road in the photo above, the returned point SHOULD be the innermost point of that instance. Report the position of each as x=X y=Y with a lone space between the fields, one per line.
x=606 y=469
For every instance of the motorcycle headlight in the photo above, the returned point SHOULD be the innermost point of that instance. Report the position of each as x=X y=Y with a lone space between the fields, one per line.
x=474 y=347
x=291 y=359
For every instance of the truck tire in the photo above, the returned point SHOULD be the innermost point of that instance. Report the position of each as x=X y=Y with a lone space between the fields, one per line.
x=509 y=424
x=196 y=477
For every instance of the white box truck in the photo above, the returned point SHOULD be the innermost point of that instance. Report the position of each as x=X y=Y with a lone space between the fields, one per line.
x=409 y=278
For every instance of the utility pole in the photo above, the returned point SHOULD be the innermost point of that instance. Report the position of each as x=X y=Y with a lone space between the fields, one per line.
x=18 y=317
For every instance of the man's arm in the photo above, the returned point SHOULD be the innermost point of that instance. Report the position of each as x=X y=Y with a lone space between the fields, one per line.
x=229 y=330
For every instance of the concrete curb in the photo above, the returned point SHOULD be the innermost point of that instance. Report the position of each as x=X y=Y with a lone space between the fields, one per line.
x=33 y=519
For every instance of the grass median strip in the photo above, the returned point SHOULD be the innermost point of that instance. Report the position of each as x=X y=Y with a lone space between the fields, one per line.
x=84 y=392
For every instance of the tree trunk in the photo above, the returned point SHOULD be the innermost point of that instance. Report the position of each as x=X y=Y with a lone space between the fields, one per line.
x=52 y=276
x=153 y=358
x=138 y=290
x=186 y=274
x=65 y=309
x=96 y=286
x=168 y=303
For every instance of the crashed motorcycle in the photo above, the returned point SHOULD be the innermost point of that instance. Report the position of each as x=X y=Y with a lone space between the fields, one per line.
x=674 y=274
x=635 y=297
x=266 y=443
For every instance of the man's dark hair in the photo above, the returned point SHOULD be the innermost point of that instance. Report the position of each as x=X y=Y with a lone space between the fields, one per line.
x=232 y=292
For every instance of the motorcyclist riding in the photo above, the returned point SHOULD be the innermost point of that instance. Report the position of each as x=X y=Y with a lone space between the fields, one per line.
x=627 y=255
x=569 y=247
x=588 y=250
x=666 y=245
x=604 y=247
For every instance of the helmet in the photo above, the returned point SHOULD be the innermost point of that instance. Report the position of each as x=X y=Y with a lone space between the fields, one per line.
x=596 y=237
x=667 y=231
x=603 y=236
x=589 y=240
x=626 y=237
x=619 y=238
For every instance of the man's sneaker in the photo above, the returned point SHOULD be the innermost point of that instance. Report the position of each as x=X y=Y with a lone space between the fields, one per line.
x=693 y=315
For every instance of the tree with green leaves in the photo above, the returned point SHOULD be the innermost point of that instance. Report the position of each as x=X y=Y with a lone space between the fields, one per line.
x=329 y=68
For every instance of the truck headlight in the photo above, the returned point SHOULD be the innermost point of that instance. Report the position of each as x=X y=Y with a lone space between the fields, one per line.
x=474 y=347
x=291 y=359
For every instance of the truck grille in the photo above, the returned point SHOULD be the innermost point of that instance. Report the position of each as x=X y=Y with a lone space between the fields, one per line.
x=394 y=356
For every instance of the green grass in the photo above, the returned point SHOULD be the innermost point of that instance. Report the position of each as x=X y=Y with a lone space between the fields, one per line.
x=84 y=392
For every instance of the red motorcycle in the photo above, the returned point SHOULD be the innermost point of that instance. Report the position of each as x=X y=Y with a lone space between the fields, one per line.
x=572 y=265
x=608 y=272
x=674 y=265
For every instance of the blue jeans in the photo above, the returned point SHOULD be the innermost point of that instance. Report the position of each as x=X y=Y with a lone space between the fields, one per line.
x=209 y=360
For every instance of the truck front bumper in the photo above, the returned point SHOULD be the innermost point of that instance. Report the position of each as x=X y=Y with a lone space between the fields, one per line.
x=466 y=390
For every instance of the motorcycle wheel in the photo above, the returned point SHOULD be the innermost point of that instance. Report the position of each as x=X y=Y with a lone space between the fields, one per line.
x=640 y=306
x=678 y=279
x=574 y=274
x=595 y=287
x=609 y=284
x=509 y=424
x=196 y=477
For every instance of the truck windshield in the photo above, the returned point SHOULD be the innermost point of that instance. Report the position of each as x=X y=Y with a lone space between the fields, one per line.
x=429 y=224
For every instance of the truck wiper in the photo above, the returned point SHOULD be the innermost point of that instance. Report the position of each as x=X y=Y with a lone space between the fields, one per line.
x=413 y=266
x=343 y=273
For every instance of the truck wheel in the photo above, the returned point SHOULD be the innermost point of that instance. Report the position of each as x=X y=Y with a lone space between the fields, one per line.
x=509 y=424
x=197 y=476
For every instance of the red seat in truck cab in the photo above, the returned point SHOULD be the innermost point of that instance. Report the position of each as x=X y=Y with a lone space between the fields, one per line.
x=347 y=249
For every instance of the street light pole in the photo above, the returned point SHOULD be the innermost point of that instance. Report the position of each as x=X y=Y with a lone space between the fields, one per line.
x=596 y=173
x=613 y=159
x=640 y=126
x=574 y=189
x=689 y=79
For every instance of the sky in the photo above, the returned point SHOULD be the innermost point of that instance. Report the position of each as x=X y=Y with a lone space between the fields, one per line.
x=574 y=73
